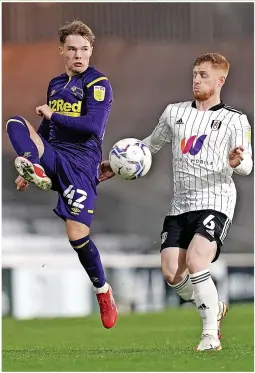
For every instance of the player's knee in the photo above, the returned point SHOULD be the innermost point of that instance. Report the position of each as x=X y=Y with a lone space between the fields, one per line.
x=199 y=257
x=173 y=265
x=197 y=260
x=193 y=264
x=76 y=230
x=171 y=274
x=173 y=279
x=17 y=119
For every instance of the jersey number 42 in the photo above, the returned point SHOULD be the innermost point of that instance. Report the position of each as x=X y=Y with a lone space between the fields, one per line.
x=69 y=193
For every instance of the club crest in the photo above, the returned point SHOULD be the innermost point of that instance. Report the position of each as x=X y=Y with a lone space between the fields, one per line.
x=215 y=125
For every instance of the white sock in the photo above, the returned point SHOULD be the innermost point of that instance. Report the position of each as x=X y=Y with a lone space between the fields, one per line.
x=206 y=299
x=103 y=289
x=184 y=288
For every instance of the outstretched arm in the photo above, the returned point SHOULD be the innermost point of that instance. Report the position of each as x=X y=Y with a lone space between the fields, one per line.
x=160 y=136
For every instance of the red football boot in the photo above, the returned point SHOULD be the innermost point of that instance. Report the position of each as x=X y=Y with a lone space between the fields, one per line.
x=108 y=309
x=33 y=173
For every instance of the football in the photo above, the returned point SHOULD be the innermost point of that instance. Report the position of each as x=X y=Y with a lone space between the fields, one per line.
x=130 y=159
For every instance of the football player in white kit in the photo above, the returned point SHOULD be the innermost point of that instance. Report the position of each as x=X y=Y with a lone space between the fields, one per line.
x=209 y=141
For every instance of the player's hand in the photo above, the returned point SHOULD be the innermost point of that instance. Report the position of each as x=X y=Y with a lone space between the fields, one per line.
x=235 y=156
x=21 y=183
x=106 y=172
x=44 y=111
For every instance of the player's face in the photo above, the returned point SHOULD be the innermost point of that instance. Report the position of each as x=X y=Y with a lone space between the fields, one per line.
x=76 y=52
x=206 y=81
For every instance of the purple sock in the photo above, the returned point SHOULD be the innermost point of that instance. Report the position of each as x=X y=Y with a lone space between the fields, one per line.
x=90 y=259
x=20 y=138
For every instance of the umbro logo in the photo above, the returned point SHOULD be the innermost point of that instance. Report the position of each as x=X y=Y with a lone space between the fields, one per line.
x=75 y=211
x=94 y=279
x=27 y=154
x=179 y=121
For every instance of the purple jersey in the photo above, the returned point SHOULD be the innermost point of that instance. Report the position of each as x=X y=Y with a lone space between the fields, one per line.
x=81 y=106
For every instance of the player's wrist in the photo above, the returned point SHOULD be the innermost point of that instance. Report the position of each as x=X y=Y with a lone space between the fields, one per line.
x=245 y=166
x=54 y=116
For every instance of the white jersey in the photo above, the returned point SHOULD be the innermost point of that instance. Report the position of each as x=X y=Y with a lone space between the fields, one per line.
x=201 y=142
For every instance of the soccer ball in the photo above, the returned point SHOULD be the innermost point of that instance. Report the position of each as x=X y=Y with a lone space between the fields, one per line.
x=130 y=159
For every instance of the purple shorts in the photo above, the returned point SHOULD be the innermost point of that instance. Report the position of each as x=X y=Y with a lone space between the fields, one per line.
x=76 y=195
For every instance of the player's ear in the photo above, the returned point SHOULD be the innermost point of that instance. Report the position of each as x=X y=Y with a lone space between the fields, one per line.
x=221 y=81
x=61 y=50
x=91 y=50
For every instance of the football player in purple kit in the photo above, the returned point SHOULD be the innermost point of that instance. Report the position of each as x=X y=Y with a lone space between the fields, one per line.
x=65 y=154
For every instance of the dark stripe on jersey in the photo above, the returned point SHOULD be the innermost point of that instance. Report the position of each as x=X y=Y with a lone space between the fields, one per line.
x=213 y=173
x=229 y=201
x=208 y=124
x=234 y=145
x=227 y=151
x=188 y=192
x=163 y=128
x=208 y=185
x=175 y=119
x=230 y=108
x=185 y=108
x=214 y=178
x=225 y=179
x=173 y=139
x=188 y=106
x=194 y=165
x=168 y=130
x=242 y=132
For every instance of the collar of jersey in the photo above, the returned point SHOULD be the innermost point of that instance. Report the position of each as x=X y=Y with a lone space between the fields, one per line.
x=213 y=108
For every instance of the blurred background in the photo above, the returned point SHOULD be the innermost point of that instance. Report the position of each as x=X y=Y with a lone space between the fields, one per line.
x=147 y=52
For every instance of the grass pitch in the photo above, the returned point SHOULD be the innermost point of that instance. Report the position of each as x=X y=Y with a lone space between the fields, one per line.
x=141 y=342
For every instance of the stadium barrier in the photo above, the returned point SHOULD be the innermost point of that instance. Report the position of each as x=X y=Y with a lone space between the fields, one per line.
x=55 y=285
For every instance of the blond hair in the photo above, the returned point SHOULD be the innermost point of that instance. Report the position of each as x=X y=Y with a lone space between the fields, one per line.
x=76 y=28
x=217 y=60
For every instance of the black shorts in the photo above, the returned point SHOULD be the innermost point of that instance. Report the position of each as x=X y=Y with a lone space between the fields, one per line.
x=178 y=230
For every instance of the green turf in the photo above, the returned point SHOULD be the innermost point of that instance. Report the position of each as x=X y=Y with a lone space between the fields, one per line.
x=140 y=342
